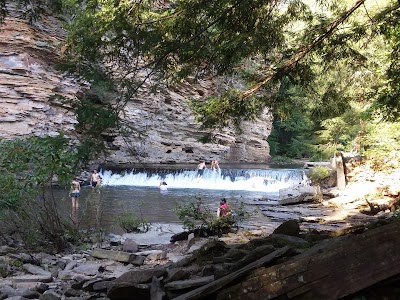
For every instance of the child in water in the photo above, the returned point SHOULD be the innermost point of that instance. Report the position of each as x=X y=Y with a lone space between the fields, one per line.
x=163 y=186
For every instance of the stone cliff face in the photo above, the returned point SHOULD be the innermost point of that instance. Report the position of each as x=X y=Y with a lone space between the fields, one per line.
x=28 y=82
x=28 y=79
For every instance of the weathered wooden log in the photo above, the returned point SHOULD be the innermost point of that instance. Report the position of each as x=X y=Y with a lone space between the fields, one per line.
x=202 y=292
x=340 y=171
x=392 y=205
x=333 y=270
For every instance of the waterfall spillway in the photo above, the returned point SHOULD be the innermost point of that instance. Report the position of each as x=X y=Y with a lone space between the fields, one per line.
x=261 y=180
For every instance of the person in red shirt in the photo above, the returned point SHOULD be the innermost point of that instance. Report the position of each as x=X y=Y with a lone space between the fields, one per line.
x=224 y=209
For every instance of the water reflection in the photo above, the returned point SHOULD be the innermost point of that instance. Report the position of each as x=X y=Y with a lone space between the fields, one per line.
x=92 y=210
x=74 y=213
x=100 y=209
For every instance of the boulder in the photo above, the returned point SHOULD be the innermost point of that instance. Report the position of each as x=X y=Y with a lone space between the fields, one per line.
x=296 y=194
x=174 y=274
x=36 y=270
x=130 y=246
x=7 y=292
x=50 y=295
x=290 y=227
x=156 y=290
x=118 y=256
x=89 y=269
x=32 y=278
x=140 y=276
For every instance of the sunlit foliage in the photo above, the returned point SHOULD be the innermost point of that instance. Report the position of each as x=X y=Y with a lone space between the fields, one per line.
x=308 y=62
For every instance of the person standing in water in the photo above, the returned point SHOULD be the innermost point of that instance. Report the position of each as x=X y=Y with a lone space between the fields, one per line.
x=75 y=192
x=95 y=179
x=200 y=168
x=163 y=186
x=215 y=165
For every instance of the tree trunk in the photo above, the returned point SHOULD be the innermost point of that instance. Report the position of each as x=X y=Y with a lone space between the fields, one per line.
x=340 y=172
x=392 y=205
x=204 y=291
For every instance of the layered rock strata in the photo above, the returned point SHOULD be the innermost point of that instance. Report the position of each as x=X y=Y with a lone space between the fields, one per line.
x=28 y=106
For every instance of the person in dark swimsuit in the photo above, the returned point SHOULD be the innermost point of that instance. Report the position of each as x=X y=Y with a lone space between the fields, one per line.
x=200 y=168
x=75 y=192
x=95 y=179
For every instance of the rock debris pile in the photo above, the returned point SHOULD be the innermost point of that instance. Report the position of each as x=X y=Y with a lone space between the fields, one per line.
x=285 y=263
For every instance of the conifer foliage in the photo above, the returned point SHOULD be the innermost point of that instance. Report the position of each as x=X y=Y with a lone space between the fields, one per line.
x=320 y=59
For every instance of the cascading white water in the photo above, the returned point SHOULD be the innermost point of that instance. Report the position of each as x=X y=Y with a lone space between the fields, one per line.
x=258 y=180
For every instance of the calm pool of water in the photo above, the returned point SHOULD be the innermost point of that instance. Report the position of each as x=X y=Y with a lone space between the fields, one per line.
x=137 y=191
x=102 y=209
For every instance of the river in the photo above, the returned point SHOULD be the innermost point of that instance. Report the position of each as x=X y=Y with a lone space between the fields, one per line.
x=137 y=191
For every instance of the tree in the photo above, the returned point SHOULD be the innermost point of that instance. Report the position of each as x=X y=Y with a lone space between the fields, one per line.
x=30 y=168
x=202 y=38
x=388 y=102
x=319 y=47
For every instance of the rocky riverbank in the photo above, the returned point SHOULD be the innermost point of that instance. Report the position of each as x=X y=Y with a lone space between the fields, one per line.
x=196 y=268
x=341 y=209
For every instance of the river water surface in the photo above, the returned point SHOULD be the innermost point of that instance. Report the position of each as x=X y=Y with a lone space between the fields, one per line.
x=137 y=191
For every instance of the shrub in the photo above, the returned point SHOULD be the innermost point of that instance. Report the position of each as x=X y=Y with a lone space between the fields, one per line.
x=196 y=215
x=29 y=168
x=319 y=173
x=131 y=223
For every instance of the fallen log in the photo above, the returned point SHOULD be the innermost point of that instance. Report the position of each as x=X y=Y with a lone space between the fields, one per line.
x=332 y=270
x=214 y=286
x=392 y=205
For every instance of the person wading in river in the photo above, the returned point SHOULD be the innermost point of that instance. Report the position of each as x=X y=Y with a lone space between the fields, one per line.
x=95 y=179
x=200 y=168
x=75 y=192
x=215 y=165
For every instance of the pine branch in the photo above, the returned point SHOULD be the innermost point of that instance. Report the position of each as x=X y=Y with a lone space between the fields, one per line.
x=290 y=64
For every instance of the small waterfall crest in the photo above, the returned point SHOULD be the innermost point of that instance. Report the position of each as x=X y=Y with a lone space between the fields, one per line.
x=260 y=180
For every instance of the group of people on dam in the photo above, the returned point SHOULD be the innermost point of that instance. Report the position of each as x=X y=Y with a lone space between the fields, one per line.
x=202 y=166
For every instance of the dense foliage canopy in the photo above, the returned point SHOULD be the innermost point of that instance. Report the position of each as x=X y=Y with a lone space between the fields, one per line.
x=323 y=68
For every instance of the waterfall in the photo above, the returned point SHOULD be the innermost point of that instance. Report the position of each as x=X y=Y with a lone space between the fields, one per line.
x=260 y=180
